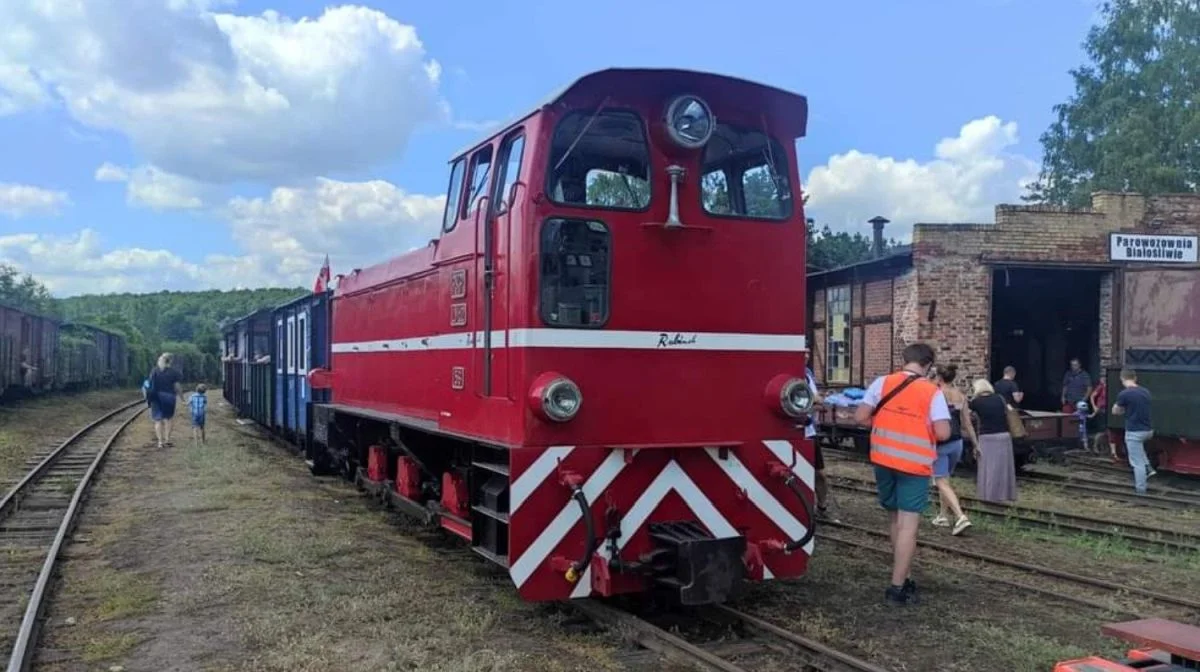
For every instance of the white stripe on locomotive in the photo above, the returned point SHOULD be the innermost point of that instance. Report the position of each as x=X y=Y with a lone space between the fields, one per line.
x=587 y=339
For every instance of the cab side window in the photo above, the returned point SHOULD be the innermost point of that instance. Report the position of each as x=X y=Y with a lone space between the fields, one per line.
x=481 y=170
x=510 y=158
x=450 y=217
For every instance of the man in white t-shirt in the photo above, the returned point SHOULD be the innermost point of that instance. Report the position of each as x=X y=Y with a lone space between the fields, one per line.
x=908 y=416
x=821 y=484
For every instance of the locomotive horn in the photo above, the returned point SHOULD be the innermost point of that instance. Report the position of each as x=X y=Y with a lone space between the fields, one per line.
x=676 y=172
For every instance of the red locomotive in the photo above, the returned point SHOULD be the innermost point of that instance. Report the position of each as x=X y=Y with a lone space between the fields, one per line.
x=595 y=373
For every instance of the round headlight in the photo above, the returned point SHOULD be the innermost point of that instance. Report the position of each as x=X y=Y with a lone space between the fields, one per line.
x=690 y=122
x=795 y=398
x=561 y=400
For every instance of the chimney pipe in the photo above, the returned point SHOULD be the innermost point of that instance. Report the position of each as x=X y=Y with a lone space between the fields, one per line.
x=877 y=223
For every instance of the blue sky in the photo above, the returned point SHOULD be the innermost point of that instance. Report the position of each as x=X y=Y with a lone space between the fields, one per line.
x=361 y=173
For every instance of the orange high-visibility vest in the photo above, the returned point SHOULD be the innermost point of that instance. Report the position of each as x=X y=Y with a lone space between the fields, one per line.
x=901 y=433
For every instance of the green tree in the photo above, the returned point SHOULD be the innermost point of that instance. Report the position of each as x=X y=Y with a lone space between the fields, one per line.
x=1133 y=123
x=617 y=190
x=24 y=292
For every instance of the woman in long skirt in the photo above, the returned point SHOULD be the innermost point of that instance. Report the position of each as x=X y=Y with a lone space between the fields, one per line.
x=996 y=469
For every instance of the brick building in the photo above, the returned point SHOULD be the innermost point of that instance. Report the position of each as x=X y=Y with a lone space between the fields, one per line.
x=1041 y=285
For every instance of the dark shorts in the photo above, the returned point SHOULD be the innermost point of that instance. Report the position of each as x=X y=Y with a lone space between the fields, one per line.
x=819 y=458
x=197 y=420
x=162 y=406
x=901 y=492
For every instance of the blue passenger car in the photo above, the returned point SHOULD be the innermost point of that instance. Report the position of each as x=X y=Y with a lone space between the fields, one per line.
x=248 y=366
x=300 y=344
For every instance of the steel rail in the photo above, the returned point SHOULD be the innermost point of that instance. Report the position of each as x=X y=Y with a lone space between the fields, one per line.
x=10 y=498
x=801 y=641
x=655 y=638
x=22 y=651
x=1052 y=518
x=1037 y=569
x=1163 y=499
x=953 y=570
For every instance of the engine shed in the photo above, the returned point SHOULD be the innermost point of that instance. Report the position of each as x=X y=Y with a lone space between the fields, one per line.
x=1116 y=284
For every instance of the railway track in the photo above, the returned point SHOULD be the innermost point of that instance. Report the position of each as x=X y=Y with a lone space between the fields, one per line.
x=1158 y=497
x=1123 y=492
x=1030 y=568
x=742 y=640
x=1145 y=536
x=36 y=516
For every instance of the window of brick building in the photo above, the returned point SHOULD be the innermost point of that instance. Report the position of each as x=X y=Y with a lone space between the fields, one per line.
x=837 y=302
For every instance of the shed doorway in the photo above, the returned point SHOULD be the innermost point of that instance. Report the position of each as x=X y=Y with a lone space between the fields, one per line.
x=1041 y=319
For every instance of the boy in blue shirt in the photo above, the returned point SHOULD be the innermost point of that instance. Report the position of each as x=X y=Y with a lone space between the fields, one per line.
x=199 y=407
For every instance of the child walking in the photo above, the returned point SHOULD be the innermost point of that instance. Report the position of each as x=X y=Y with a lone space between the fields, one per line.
x=199 y=405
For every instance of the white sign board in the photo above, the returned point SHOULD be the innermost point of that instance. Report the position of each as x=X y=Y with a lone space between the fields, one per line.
x=1153 y=249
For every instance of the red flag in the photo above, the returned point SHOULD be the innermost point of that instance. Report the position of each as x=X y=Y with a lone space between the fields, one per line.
x=322 y=277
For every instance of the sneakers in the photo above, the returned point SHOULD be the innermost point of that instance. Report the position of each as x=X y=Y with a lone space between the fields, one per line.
x=824 y=514
x=940 y=521
x=902 y=595
x=960 y=526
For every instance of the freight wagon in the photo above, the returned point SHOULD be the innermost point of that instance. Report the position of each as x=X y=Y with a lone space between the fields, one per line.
x=1161 y=332
x=28 y=351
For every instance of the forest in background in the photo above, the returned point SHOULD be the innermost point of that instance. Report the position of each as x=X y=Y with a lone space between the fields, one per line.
x=186 y=324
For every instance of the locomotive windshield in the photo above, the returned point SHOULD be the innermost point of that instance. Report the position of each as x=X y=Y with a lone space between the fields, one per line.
x=600 y=159
x=745 y=175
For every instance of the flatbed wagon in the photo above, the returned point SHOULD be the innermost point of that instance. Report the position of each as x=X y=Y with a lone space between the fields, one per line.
x=1047 y=434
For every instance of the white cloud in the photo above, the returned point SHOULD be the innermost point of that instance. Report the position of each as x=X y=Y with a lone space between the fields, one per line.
x=20 y=200
x=969 y=175
x=220 y=97
x=283 y=239
x=154 y=188
x=19 y=89
x=79 y=264
x=356 y=223
x=108 y=172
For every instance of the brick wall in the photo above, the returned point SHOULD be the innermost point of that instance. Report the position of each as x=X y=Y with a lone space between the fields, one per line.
x=904 y=313
x=951 y=263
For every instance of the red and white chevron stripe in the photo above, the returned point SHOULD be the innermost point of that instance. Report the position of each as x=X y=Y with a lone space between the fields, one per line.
x=730 y=491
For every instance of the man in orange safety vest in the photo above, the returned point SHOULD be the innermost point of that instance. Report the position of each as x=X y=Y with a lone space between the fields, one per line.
x=908 y=417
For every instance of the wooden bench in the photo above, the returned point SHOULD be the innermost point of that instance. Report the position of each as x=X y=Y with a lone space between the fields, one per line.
x=1181 y=641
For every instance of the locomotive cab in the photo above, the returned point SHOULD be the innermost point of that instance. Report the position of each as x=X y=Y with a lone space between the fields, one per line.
x=596 y=373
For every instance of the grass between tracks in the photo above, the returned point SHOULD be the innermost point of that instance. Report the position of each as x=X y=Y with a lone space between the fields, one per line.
x=230 y=556
x=28 y=425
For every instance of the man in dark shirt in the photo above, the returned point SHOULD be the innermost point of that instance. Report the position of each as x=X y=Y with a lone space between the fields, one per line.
x=1007 y=387
x=1076 y=387
x=1134 y=403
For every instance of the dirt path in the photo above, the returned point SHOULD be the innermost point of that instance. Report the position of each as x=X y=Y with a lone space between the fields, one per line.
x=230 y=556
x=31 y=424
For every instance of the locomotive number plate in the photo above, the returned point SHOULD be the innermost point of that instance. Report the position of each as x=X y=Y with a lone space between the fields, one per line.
x=458 y=283
x=458 y=378
x=458 y=314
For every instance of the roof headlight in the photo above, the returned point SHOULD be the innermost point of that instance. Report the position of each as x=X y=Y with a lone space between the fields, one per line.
x=690 y=122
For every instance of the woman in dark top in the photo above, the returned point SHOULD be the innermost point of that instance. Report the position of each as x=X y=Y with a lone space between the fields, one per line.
x=996 y=471
x=164 y=388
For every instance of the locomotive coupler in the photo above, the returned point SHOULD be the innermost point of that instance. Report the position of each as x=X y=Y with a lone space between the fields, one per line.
x=700 y=568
